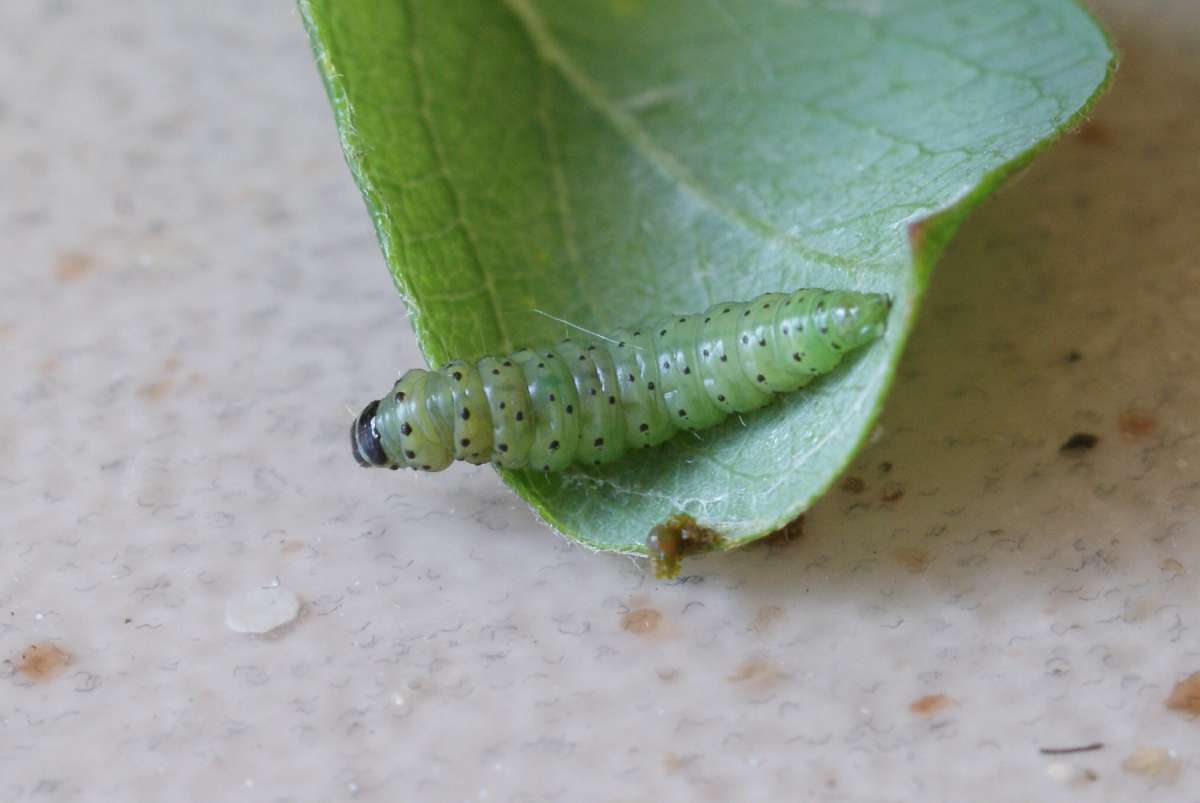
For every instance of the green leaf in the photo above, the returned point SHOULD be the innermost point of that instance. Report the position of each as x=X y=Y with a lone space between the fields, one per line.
x=612 y=161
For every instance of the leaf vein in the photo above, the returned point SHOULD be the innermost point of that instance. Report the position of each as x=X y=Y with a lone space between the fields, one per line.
x=665 y=161
x=426 y=117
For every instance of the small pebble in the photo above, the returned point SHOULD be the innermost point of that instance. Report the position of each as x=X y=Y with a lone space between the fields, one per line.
x=1068 y=773
x=261 y=610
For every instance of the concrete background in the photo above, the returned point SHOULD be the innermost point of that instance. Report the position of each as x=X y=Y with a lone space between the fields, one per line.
x=192 y=305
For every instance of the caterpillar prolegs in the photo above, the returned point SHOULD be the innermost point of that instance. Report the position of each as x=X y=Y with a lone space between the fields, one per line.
x=592 y=402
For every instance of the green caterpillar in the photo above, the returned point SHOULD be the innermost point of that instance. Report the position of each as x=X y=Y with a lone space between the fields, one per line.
x=593 y=402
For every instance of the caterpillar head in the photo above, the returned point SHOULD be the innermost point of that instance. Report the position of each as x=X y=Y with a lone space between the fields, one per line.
x=860 y=321
x=364 y=438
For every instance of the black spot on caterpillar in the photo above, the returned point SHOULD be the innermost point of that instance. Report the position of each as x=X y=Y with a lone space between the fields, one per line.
x=593 y=402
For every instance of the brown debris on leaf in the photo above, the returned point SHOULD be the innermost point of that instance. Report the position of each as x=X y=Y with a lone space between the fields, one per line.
x=930 y=704
x=44 y=661
x=756 y=673
x=72 y=266
x=641 y=621
x=913 y=558
x=1171 y=565
x=154 y=391
x=1135 y=424
x=675 y=539
x=1153 y=762
x=1185 y=696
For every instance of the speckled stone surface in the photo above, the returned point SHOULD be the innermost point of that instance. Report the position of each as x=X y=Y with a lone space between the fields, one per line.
x=193 y=304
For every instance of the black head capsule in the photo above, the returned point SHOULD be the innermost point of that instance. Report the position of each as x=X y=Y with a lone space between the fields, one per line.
x=364 y=439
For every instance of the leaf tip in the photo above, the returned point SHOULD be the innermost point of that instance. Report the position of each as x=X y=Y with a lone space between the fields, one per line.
x=917 y=231
x=927 y=236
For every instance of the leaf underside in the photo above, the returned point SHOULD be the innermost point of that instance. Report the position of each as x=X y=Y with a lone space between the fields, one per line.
x=610 y=162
